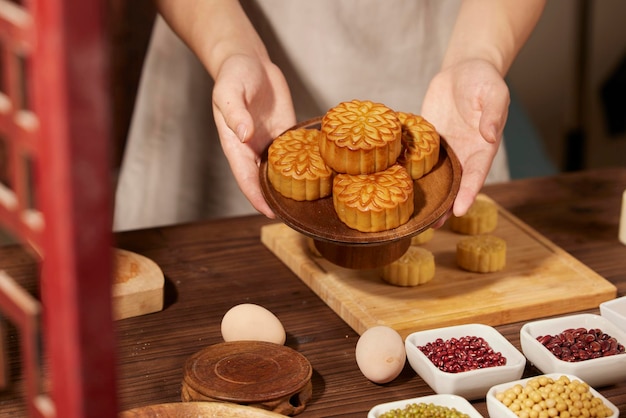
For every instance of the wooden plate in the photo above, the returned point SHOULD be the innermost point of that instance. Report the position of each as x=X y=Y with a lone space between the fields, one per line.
x=434 y=195
x=197 y=409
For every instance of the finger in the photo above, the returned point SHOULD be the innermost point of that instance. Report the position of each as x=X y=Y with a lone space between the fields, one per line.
x=238 y=120
x=247 y=176
x=441 y=221
x=475 y=172
x=494 y=114
x=229 y=102
x=465 y=197
x=244 y=166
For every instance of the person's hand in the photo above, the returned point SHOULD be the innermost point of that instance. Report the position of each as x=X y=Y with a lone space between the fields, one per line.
x=468 y=105
x=251 y=105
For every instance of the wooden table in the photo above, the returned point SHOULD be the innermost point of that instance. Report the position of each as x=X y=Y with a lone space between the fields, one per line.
x=214 y=265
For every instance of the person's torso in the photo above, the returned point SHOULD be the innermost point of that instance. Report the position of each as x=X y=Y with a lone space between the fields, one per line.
x=337 y=50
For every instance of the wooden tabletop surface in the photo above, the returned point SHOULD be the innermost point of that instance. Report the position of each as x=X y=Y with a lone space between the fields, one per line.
x=212 y=266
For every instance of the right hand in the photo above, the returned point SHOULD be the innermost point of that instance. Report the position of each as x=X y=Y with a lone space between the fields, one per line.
x=251 y=106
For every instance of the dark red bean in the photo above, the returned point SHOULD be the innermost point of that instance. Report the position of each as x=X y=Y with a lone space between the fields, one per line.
x=546 y=340
x=462 y=354
x=581 y=344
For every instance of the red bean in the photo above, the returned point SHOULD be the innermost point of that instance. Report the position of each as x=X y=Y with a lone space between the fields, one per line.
x=462 y=354
x=581 y=344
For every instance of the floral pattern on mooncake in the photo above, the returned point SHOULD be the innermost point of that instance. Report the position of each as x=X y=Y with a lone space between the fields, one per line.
x=295 y=167
x=360 y=137
x=420 y=142
x=374 y=202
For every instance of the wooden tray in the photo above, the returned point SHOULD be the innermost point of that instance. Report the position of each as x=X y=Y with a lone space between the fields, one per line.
x=540 y=280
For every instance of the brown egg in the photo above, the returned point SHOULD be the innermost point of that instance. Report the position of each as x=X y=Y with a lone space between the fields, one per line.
x=250 y=322
x=380 y=354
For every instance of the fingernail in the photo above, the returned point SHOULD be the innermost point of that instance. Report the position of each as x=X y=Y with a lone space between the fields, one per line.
x=241 y=132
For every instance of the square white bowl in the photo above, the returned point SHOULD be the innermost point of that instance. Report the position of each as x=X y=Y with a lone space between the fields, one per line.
x=615 y=311
x=500 y=410
x=471 y=384
x=449 y=401
x=596 y=372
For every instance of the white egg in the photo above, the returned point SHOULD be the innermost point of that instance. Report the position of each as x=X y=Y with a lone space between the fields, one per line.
x=250 y=322
x=380 y=354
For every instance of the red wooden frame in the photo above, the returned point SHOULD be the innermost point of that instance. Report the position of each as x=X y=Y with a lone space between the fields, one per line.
x=54 y=116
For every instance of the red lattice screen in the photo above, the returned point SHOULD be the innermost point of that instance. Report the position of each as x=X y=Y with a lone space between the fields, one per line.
x=55 y=199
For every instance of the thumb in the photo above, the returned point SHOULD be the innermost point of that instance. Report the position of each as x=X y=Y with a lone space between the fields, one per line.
x=233 y=111
x=493 y=116
x=240 y=122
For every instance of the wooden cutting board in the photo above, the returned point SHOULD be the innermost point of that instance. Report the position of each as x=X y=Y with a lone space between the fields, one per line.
x=539 y=280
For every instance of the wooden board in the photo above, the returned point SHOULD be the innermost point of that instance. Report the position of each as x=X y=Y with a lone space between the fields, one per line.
x=137 y=285
x=540 y=280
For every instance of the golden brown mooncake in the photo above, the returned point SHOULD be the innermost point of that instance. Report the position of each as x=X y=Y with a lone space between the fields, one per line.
x=423 y=237
x=374 y=202
x=481 y=218
x=481 y=253
x=360 y=137
x=415 y=267
x=295 y=167
x=420 y=145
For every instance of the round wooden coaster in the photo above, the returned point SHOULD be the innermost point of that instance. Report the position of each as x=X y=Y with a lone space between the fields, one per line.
x=434 y=196
x=255 y=373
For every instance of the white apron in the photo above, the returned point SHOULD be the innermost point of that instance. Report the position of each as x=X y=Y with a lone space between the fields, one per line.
x=330 y=51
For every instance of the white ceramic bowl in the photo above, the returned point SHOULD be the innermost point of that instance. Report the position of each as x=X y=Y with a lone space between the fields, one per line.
x=472 y=384
x=615 y=311
x=450 y=401
x=498 y=409
x=596 y=372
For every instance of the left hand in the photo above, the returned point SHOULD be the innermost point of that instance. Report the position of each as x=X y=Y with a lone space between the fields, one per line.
x=468 y=105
